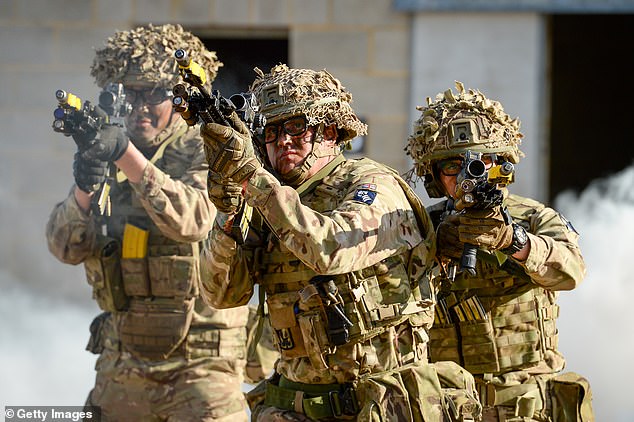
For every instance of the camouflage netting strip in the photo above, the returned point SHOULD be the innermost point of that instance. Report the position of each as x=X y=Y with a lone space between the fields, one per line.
x=149 y=50
x=317 y=94
x=430 y=140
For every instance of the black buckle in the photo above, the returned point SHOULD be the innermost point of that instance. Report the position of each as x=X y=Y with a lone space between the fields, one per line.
x=343 y=403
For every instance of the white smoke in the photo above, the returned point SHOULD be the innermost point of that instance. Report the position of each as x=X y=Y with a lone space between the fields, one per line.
x=597 y=323
x=42 y=341
x=42 y=336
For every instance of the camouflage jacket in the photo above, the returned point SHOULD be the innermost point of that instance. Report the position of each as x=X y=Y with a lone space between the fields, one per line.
x=170 y=201
x=503 y=319
x=351 y=218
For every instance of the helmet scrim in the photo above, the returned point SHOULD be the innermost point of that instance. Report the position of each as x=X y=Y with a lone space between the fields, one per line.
x=146 y=54
x=318 y=95
x=452 y=125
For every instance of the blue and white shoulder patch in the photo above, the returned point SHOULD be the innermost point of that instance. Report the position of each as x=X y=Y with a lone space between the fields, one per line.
x=365 y=193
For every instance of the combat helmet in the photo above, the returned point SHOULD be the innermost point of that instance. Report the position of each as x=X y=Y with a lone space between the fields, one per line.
x=452 y=125
x=146 y=54
x=319 y=96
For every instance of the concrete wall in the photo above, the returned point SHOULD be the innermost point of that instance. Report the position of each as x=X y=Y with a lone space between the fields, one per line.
x=501 y=55
x=48 y=44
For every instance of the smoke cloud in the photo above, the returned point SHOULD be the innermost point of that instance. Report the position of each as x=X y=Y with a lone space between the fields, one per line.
x=43 y=335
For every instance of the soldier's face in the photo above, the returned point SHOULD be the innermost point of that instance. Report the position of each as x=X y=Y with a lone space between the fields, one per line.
x=288 y=152
x=151 y=111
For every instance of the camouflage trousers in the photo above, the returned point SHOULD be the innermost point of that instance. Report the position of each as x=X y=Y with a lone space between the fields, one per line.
x=174 y=390
x=565 y=397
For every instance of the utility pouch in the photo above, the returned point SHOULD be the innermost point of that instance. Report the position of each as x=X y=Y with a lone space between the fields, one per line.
x=173 y=276
x=460 y=397
x=338 y=324
x=286 y=331
x=413 y=392
x=154 y=329
x=103 y=272
x=313 y=331
x=96 y=341
x=479 y=349
x=135 y=277
x=571 y=398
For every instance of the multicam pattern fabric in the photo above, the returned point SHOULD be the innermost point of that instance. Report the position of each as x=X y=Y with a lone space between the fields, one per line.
x=318 y=95
x=329 y=231
x=431 y=140
x=146 y=54
x=201 y=378
x=514 y=358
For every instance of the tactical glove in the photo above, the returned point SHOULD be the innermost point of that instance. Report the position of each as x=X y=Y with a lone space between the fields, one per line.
x=110 y=144
x=224 y=194
x=488 y=228
x=447 y=238
x=83 y=137
x=89 y=173
x=229 y=150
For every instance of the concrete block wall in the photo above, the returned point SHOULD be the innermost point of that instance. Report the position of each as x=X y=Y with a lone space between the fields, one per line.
x=48 y=44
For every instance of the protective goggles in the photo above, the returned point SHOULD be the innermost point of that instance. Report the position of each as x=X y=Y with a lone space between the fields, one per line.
x=294 y=126
x=453 y=166
x=151 y=96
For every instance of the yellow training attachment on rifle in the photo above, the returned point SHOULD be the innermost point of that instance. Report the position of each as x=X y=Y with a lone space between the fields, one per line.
x=193 y=73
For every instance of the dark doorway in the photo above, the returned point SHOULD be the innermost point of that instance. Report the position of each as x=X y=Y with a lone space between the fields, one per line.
x=240 y=56
x=592 y=70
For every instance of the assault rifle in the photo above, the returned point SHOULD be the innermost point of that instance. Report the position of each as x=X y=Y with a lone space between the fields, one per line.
x=196 y=104
x=85 y=120
x=479 y=188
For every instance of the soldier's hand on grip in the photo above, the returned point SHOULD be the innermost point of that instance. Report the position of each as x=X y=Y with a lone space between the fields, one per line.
x=447 y=238
x=487 y=228
x=89 y=173
x=229 y=150
x=110 y=144
x=225 y=195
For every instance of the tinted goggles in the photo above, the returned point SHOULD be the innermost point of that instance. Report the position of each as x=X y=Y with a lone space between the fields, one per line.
x=151 y=96
x=294 y=126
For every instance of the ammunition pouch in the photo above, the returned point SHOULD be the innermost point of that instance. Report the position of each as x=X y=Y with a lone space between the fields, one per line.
x=154 y=328
x=167 y=271
x=103 y=272
x=333 y=311
x=571 y=398
x=228 y=343
x=514 y=334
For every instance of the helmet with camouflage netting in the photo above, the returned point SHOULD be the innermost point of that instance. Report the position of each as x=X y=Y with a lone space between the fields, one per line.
x=146 y=54
x=452 y=125
x=318 y=95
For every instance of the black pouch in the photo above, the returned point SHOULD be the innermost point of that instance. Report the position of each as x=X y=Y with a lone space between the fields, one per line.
x=103 y=271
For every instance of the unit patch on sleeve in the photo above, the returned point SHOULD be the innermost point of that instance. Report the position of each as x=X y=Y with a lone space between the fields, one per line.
x=365 y=193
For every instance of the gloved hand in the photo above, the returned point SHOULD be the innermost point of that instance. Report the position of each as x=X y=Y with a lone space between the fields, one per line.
x=447 y=237
x=89 y=173
x=486 y=228
x=224 y=194
x=110 y=144
x=84 y=137
x=230 y=151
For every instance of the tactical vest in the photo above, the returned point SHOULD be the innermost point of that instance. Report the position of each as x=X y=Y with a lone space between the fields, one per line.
x=154 y=298
x=310 y=314
x=496 y=321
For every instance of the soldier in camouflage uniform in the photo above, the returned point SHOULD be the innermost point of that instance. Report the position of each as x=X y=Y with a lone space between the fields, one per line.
x=341 y=248
x=164 y=354
x=499 y=323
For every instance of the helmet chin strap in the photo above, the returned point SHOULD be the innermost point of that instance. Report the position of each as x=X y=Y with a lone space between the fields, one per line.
x=299 y=174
